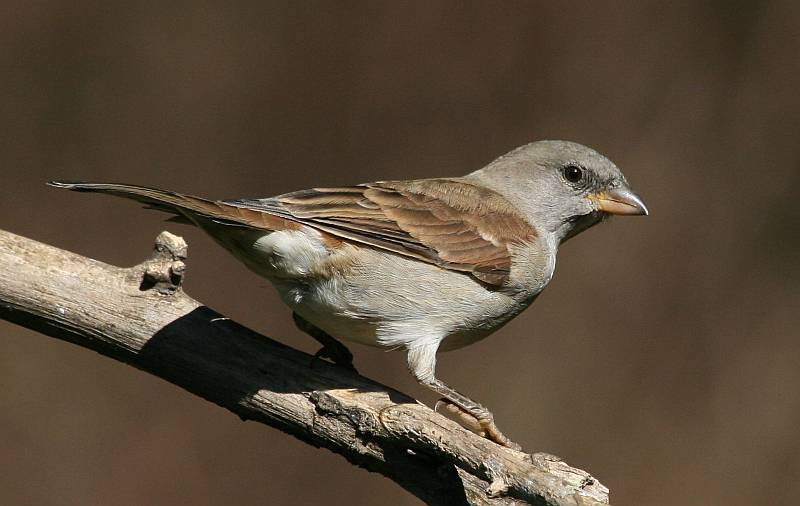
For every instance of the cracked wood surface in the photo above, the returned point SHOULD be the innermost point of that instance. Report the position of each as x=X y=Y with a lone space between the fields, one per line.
x=141 y=316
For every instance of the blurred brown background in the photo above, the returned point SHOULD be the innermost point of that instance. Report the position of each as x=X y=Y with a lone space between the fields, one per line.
x=664 y=357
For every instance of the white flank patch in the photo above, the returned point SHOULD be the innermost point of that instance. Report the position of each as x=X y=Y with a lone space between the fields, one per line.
x=292 y=252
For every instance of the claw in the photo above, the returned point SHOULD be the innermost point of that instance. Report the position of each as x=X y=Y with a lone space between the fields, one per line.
x=494 y=434
x=331 y=349
x=483 y=426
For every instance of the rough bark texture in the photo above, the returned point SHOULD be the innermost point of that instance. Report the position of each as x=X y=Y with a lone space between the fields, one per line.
x=141 y=316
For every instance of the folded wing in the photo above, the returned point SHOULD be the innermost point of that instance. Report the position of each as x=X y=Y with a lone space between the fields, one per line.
x=451 y=223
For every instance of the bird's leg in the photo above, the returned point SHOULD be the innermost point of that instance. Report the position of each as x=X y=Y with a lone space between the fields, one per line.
x=331 y=347
x=422 y=363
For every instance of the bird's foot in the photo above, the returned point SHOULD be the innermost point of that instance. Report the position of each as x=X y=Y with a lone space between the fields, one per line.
x=483 y=425
x=331 y=349
x=339 y=355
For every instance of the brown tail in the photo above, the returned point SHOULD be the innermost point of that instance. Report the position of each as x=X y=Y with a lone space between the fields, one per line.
x=185 y=206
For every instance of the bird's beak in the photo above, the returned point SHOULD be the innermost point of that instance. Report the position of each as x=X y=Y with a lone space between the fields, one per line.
x=620 y=200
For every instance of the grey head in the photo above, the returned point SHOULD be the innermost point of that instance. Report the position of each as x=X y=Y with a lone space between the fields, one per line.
x=562 y=187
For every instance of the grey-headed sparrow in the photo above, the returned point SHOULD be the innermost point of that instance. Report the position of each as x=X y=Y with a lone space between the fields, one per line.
x=422 y=265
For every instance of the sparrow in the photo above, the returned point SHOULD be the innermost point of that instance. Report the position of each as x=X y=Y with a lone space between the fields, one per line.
x=420 y=265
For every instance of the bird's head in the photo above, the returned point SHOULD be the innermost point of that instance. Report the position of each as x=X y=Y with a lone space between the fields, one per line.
x=562 y=187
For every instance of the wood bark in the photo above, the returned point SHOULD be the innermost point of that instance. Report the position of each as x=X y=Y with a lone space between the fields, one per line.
x=141 y=316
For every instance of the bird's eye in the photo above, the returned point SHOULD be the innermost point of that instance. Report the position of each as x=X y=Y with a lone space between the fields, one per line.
x=573 y=173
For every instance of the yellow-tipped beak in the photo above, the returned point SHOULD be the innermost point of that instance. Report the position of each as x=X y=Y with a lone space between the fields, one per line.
x=620 y=201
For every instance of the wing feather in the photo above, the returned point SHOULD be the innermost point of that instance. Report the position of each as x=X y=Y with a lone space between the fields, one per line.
x=452 y=223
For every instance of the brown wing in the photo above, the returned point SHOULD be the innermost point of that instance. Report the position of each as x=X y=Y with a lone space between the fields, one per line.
x=447 y=222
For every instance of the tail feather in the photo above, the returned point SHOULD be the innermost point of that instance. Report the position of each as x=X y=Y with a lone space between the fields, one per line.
x=184 y=207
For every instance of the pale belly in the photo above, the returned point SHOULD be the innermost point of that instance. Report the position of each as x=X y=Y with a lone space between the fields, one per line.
x=377 y=306
x=374 y=297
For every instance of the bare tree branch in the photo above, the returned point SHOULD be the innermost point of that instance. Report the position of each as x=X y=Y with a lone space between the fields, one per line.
x=141 y=316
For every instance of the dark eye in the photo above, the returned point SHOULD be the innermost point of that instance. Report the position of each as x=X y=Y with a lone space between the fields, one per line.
x=573 y=173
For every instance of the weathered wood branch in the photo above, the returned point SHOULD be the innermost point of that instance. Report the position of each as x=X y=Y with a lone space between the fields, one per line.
x=141 y=316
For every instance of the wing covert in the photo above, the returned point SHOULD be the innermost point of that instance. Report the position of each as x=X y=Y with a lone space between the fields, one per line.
x=451 y=223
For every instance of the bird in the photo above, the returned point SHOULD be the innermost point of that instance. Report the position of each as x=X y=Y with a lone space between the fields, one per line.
x=422 y=265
